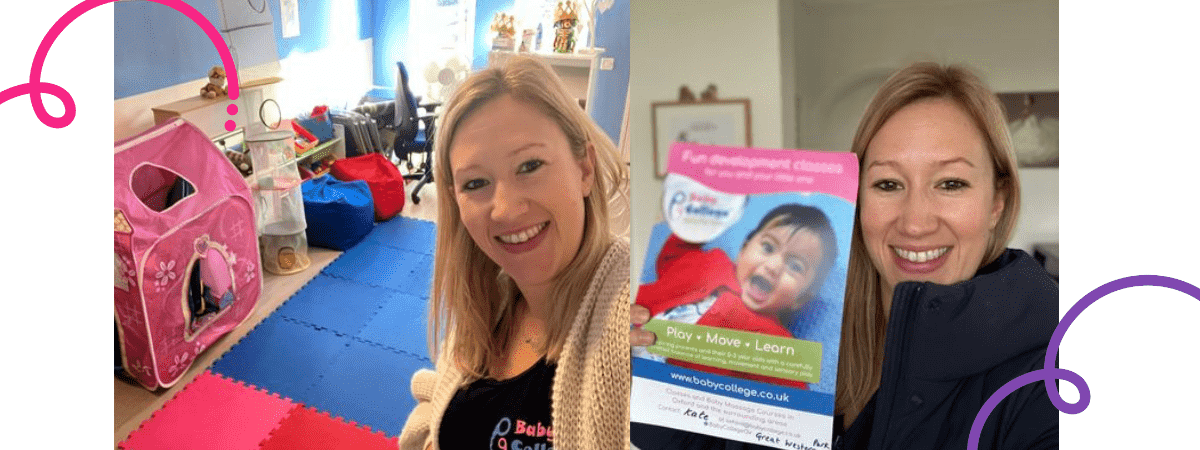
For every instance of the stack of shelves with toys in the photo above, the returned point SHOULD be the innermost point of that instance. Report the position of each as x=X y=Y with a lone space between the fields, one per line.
x=280 y=202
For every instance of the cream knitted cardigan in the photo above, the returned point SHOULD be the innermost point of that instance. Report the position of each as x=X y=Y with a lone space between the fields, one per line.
x=590 y=397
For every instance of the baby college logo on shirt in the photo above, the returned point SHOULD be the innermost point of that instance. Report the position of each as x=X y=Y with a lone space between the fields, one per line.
x=521 y=435
x=698 y=213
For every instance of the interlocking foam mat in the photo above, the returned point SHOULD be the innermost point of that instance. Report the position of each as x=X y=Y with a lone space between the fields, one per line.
x=306 y=428
x=329 y=369
x=212 y=412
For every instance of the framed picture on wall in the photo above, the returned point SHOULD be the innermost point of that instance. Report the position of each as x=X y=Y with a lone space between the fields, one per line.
x=716 y=122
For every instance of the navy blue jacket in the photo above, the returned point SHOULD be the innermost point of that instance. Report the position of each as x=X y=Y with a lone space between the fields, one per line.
x=948 y=348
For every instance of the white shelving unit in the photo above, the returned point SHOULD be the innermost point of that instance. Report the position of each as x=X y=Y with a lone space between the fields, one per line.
x=577 y=70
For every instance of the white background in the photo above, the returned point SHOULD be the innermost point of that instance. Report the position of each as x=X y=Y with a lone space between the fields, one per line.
x=1129 y=206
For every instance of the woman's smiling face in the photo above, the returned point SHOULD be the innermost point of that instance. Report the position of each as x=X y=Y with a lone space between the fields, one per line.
x=927 y=197
x=520 y=190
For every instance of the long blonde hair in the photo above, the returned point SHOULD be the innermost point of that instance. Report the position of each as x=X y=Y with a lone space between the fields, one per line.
x=865 y=321
x=472 y=301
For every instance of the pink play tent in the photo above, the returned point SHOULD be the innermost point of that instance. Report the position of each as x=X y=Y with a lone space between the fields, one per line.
x=186 y=261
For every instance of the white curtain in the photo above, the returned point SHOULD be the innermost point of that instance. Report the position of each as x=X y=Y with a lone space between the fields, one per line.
x=1035 y=140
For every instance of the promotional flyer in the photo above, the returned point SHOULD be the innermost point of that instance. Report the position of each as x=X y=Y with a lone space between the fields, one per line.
x=745 y=281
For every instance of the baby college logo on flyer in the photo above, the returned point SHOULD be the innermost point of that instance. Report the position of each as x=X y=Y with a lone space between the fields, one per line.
x=696 y=212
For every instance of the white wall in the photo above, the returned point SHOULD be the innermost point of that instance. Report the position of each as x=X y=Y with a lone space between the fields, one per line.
x=735 y=45
x=1038 y=222
x=789 y=82
x=852 y=47
x=1011 y=44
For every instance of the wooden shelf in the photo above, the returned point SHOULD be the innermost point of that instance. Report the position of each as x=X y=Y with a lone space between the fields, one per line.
x=209 y=115
x=566 y=59
x=576 y=70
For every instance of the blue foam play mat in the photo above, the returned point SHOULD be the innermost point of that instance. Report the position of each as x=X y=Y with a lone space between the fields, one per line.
x=349 y=341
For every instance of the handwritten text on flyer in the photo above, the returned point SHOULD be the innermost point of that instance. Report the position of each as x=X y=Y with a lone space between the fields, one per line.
x=730 y=418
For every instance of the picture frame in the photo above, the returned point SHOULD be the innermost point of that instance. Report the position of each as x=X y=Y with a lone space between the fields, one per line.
x=714 y=122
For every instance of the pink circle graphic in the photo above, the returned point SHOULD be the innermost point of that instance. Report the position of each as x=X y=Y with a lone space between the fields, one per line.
x=35 y=88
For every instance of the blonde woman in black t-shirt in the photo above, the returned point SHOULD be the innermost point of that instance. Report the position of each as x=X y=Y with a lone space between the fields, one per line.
x=529 y=305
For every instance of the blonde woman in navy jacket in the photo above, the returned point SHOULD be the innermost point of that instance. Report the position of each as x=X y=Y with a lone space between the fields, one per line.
x=939 y=315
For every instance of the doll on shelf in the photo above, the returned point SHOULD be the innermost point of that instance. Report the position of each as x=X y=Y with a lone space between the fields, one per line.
x=566 y=16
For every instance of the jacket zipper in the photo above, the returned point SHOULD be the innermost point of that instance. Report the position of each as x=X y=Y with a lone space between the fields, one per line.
x=893 y=349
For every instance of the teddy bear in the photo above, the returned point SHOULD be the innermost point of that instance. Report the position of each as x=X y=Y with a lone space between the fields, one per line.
x=686 y=95
x=240 y=161
x=216 y=83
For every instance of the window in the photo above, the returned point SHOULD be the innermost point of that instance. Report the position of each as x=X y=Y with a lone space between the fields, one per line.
x=438 y=30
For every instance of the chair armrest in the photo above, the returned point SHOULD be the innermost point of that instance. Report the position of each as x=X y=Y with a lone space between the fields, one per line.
x=428 y=118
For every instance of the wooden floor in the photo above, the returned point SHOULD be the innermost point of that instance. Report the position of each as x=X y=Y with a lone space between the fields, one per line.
x=133 y=404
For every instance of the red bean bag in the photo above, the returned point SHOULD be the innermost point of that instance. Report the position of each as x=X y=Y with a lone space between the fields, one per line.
x=384 y=179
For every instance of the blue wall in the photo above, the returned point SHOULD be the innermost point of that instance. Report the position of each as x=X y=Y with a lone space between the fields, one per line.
x=391 y=40
x=608 y=99
x=484 y=11
x=157 y=47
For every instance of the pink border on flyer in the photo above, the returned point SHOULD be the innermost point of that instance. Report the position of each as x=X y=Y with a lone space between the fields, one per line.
x=737 y=170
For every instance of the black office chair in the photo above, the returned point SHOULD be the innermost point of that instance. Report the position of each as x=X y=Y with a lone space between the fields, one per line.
x=410 y=138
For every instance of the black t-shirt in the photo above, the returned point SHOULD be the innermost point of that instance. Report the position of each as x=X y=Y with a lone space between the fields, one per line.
x=512 y=414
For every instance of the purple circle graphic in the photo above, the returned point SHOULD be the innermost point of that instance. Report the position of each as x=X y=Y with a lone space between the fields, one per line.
x=1050 y=373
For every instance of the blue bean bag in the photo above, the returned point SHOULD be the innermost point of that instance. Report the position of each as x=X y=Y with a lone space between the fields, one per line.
x=339 y=213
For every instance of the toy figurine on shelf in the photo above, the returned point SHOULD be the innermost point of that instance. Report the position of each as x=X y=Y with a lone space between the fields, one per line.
x=526 y=41
x=537 y=42
x=565 y=19
x=216 y=83
x=503 y=25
